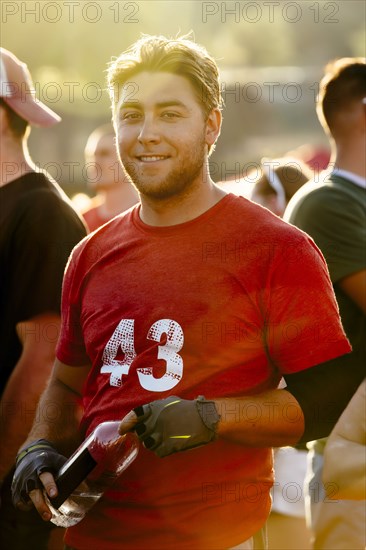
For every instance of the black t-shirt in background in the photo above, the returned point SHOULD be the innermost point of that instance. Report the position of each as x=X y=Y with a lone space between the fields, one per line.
x=38 y=230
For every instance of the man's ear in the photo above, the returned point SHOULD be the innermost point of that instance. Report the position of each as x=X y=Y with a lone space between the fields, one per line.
x=213 y=126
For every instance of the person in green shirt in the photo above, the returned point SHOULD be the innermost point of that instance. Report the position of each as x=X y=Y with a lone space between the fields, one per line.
x=333 y=212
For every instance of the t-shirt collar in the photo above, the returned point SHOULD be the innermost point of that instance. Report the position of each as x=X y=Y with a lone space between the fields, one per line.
x=354 y=178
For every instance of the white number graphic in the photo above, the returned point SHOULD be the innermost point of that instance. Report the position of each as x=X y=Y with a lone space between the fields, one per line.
x=168 y=352
x=123 y=338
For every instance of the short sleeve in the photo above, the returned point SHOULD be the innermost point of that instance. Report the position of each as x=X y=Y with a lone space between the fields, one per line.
x=49 y=230
x=303 y=324
x=70 y=348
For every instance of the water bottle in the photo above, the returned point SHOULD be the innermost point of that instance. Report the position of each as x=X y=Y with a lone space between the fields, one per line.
x=91 y=470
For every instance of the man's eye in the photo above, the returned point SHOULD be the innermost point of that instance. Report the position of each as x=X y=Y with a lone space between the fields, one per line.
x=169 y=114
x=130 y=116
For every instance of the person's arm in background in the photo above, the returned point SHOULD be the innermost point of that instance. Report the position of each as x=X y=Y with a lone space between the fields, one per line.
x=19 y=400
x=345 y=452
x=354 y=286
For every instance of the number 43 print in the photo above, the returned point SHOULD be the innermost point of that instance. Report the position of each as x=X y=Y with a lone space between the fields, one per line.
x=123 y=339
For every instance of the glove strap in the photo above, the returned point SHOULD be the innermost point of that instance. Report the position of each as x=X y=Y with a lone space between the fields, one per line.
x=208 y=413
x=35 y=446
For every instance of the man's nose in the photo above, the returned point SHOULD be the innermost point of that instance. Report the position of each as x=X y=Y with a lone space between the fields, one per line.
x=149 y=131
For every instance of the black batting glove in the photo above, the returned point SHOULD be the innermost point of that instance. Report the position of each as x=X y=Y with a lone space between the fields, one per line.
x=40 y=456
x=173 y=424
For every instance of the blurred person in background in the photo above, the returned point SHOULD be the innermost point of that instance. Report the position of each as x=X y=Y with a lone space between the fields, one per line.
x=114 y=190
x=316 y=157
x=277 y=182
x=333 y=212
x=348 y=440
x=38 y=229
x=271 y=183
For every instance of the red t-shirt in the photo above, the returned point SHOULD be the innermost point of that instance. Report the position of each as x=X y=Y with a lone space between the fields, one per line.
x=219 y=306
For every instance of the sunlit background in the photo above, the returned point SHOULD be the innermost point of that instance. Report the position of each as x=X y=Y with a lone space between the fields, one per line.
x=271 y=55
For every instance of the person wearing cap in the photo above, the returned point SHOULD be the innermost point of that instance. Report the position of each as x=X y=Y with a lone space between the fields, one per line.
x=277 y=182
x=332 y=211
x=38 y=229
x=114 y=190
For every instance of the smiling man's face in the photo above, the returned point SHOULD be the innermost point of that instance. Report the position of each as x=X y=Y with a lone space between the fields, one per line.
x=162 y=134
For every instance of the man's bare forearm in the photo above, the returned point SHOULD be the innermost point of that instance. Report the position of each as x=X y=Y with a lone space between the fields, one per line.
x=270 y=419
x=57 y=417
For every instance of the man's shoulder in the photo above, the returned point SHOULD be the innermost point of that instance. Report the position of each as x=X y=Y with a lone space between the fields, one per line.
x=35 y=197
x=25 y=186
x=243 y=211
x=348 y=188
x=34 y=181
x=258 y=229
x=44 y=192
x=259 y=221
x=38 y=187
x=313 y=198
x=44 y=186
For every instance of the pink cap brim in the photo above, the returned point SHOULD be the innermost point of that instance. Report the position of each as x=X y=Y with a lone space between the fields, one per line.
x=34 y=111
x=14 y=75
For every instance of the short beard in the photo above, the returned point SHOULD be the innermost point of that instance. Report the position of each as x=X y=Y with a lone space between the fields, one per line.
x=178 y=181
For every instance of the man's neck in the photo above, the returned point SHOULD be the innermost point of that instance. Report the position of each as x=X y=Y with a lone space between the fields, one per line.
x=351 y=157
x=180 y=209
x=15 y=161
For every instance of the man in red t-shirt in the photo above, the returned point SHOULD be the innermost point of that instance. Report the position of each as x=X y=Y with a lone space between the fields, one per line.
x=192 y=293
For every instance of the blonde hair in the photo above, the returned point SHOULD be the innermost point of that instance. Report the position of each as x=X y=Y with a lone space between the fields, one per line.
x=179 y=56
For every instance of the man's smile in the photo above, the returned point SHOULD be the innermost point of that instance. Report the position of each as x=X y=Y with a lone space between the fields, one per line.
x=151 y=158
